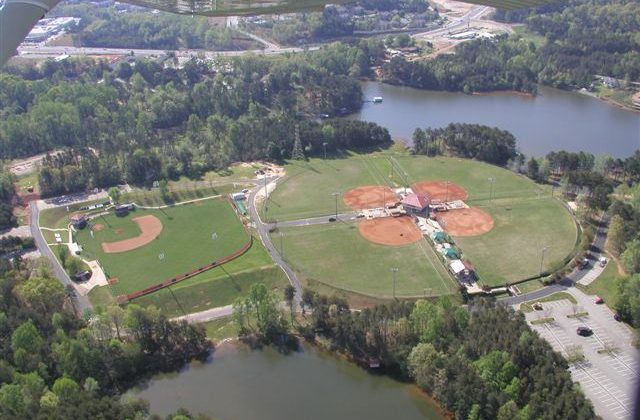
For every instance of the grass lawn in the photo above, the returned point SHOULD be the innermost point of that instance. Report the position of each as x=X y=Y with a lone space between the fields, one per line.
x=219 y=329
x=58 y=217
x=307 y=189
x=30 y=180
x=338 y=256
x=177 y=194
x=512 y=250
x=101 y=296
x=186 y=241
x=606 y=285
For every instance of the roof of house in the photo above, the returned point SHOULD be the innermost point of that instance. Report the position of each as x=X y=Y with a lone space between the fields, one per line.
x=415 y=200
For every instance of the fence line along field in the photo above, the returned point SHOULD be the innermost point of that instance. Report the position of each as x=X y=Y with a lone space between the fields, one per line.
x=191 y=236
x=519 y=217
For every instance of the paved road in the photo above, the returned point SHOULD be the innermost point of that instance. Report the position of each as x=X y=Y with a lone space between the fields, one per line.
x=344 y=217
x=458 y=24
x=263 y=232
x=81 y=303
x=208 y=315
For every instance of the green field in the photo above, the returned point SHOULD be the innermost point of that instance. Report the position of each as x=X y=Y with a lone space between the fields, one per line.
x=527 y=218
x=512 y=250
x=337 y=255
x=187 y=242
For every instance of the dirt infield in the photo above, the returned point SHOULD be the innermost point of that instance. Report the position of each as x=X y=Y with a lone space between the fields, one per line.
x=466 y=222
x=150 y=226
x=392 y=231
x=439 y=190
x=368 y=197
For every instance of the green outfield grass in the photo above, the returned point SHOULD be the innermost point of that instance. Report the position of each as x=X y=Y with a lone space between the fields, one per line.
x=307 y=188
x=512 y=250
x=217 y=287
x=186 y=242
x=337 y=255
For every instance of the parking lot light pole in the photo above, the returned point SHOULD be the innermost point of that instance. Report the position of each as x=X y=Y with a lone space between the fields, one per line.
x=394 y=270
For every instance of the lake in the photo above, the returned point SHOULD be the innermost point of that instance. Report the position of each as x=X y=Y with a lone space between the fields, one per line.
x=238 y=383
x=551 y=121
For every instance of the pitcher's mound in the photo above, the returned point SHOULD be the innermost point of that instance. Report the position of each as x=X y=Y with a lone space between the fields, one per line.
x=368 y=197
x=440 y=190
x=392 y=231
x=466 y=222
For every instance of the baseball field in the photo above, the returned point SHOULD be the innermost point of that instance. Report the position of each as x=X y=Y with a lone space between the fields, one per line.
x=516 y=225
x=147 y=247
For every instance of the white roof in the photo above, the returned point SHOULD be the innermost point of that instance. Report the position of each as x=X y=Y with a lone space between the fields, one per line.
x=457 y=266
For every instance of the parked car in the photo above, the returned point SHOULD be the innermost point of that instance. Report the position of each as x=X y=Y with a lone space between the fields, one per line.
x=584 y=331
x=537 y=306
x=598 y=300
x=603 y=261
x=617 y=317
x=584 y=263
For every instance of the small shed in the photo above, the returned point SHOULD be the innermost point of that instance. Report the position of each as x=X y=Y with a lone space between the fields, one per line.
x=416 y=204
x=79 y=221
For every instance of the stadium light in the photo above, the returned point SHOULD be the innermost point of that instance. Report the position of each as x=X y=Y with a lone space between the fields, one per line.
x=336 y=194
x=324 y=146
x=544 y=249
x=492 y=180
x=394 y=270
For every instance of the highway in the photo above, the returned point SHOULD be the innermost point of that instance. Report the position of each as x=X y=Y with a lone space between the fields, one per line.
x=459 y=24
x=81 y=303
x=39 y=51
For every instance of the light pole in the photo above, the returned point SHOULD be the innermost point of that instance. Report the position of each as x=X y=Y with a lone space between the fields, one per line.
x=324 y=146
x=544 y=249
x=492 y=180
x=281 y=247
x=394 y=270
x=446 y=200
x=336 y=194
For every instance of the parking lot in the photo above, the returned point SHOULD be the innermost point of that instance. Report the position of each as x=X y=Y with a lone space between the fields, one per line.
x=609 y=372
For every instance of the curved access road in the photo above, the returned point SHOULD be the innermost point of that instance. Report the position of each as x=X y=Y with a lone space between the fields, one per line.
x=81 y=303
x=263 y=232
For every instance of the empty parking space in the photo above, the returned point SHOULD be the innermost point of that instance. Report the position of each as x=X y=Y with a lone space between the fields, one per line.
x=610 y=368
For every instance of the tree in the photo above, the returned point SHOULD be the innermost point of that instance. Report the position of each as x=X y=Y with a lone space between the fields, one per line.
x=616 y=236
x=114 y=193
x=289 y=295
x=27 y=344
x=65 y=388
x=630 y=258
x=533 y=169
x=508 y=411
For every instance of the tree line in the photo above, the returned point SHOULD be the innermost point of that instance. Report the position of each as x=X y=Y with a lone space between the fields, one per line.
x=153 y=121
x=56 y=366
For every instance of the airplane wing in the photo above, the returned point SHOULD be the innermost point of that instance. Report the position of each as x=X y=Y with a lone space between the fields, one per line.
x=17 y=17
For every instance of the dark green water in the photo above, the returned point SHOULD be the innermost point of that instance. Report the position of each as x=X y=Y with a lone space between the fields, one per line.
x=242 y=384
x=553 y=120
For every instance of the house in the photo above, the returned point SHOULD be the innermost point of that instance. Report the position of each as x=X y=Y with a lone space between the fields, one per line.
x=415 y=204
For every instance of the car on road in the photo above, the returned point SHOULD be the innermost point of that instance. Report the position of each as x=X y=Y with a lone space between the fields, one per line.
x=332 y=219
x=598 y=300
x=584 y=331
